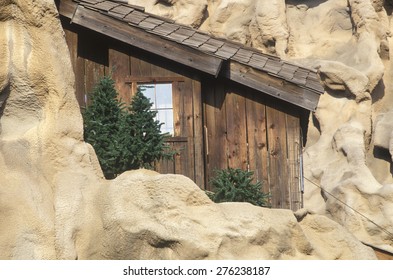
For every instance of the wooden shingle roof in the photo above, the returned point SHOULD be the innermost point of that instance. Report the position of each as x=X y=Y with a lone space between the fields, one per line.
x=212 y=51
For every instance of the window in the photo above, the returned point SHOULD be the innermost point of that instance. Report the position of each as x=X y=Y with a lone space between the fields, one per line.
x=160 y=94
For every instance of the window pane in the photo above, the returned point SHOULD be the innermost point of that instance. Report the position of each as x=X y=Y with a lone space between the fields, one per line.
x=161 y=97
x=148 y=91
x=166 y=117
x=164 y=95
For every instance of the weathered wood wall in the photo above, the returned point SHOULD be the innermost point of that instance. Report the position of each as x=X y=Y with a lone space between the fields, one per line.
x=218 y=123
x=246 y=130
x=127 y=66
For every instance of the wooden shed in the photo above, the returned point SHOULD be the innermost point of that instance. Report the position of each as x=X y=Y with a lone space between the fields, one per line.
x=225 y=104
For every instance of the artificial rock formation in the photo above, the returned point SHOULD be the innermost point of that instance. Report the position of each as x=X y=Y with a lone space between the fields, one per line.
x=349 y=149
x=55 y=203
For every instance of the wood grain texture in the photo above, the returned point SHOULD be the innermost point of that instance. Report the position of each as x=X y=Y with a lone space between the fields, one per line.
x=216 y=129
x=119 y=64
x=277 y=158
x=293 y=160
x=236 y=130
x=257 y=142
x=199 y=165
x=272 y=86
x=93 y=73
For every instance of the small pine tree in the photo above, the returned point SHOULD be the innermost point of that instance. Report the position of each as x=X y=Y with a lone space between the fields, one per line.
x=147 y=143
x=123 y=139
x=235 y=185
x=101 y=121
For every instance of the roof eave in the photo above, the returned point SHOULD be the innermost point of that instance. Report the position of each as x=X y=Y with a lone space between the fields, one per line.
x=138 y=38
x=252 y=76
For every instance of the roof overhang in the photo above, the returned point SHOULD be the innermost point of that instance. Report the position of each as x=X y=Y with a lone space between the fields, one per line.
x=278 y=88
x=268 y=77
x=136 y=37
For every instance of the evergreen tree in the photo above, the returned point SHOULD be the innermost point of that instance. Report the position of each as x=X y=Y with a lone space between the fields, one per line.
x=231 y=185
x=147 y=143
x=123 y=139
x=101 y=124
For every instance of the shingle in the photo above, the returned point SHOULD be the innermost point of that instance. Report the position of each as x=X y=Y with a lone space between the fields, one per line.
x=313 y=82
x=150 y=23
x=154 y=21
x=257 y=61
x=227 y=50
x=196 y=40
x=181 y=34
x=165 y=29
x=215 y=43
x=135 y=17
x=243 y=55
x=313 y=76
x=273 y=66
x=176 y=37
x=287 y=71
x=91 y=1
x=301 y=73
x=106 y=5
x=116 y=15
x=185 y=31
x=289 y=67
x=299 y=81
x=122 y=10
x=208 y=48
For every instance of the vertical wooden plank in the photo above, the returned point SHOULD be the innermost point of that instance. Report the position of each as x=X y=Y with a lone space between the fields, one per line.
x=158 y=71
x=236 y=129
x=178 y=110
x=294 y=147
x=276 y=123
x=78 y=66
x=208 y=97
x=138 y=68
x=216 y=134
x=183 y=127
x=285 y=174
x=188 y=130
x=220 y=146
x=199 y=168
x=257 y=142
x=93 y=73
x=119 y=64
x=181 y=159
x=166 y=166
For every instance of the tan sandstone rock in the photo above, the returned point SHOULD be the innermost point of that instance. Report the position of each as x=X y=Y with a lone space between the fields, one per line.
x=55 y=204
x=146 y=215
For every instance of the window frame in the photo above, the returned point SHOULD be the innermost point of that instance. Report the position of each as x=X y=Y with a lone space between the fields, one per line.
x=158 y=107
x=134 y=81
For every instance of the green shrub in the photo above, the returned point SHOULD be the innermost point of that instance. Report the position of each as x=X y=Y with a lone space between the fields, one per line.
x=235 y=185
x=123 y=138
